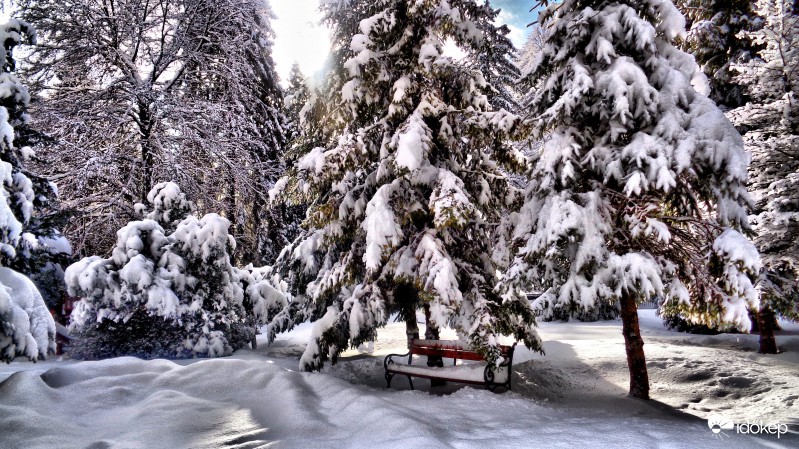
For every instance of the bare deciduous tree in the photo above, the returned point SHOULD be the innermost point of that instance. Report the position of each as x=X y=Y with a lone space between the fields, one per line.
x=141 y=91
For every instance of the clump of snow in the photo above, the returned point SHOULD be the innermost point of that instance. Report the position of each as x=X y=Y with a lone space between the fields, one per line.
x=167 y=205
x=314 y=161
x=26 y=327
x=741 y=260
x=412 y=143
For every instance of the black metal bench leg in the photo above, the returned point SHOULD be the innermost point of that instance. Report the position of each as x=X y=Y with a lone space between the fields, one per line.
x=388 y=380
x=411 y=382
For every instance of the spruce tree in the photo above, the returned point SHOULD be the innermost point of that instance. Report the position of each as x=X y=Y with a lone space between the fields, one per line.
x=403 y=203
x=26 y=244
x=719 y=38
x=297 y=96
x=640 y=190
x=770 y=123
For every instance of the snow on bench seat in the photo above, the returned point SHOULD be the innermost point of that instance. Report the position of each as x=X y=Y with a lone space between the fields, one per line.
x=473 y=373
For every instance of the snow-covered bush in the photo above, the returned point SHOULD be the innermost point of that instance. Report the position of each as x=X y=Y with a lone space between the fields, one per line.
x=266 y=300
x=167 y=205
x=161 y=295
x=26 y=326
x=640 y=190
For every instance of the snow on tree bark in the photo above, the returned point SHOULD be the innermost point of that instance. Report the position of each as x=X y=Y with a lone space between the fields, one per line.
x=640 y=190
x=409 y=192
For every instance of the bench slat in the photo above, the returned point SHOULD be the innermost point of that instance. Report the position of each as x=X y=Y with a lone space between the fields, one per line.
x=449 y=353
x=461 y=373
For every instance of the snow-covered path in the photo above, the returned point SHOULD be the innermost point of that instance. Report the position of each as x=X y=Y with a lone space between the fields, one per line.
x=572 y=397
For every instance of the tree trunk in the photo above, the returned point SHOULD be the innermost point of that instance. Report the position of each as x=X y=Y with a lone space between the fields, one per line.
x=257 y=224
x=634 y=344
x=406 y=298
x=431 y=333
x=411 y=328
x=147 y=157
x=765 y=322
x=231 y=207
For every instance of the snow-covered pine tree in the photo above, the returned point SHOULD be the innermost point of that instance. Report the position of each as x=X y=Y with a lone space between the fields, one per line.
x=173 y=295
x=271 y=226
x=297 y=95
x=281 y=224
x=498 y=69
x=317 y=121
x=770 y=123
x=42 y=250
x=640 y=190
x=718 y=37
x=26 y=326
x=114 y=316
x=403 y=205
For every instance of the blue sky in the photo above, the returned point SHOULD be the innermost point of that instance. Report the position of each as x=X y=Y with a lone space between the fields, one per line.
x=516 y=14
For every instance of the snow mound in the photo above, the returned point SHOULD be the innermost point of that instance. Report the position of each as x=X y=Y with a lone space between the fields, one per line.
x=131 y=403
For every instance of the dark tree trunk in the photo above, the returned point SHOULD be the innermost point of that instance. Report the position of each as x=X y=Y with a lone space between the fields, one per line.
x=634 y=344
x=765 y=322
x=231 y=212
x=257 y=223
x=147 y=156
x=411 y=328
x=431 y=333
x=406 y=297
x=754 y=316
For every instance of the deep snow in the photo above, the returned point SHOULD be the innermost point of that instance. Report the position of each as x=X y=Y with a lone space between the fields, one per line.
x=572 y=397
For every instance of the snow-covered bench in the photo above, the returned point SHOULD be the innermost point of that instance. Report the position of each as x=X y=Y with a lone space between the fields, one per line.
x=472 y=373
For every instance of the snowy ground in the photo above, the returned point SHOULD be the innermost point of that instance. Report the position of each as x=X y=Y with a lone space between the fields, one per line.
x=575 y=396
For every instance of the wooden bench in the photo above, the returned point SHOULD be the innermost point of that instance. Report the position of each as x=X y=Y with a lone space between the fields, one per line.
x=475 y=373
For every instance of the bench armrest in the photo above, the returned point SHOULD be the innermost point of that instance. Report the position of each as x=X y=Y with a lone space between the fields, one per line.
x=390 y=358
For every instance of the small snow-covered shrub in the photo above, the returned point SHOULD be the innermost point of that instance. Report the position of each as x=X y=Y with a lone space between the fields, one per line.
x=26 y=326
x=173 y=296
x=266 y=299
